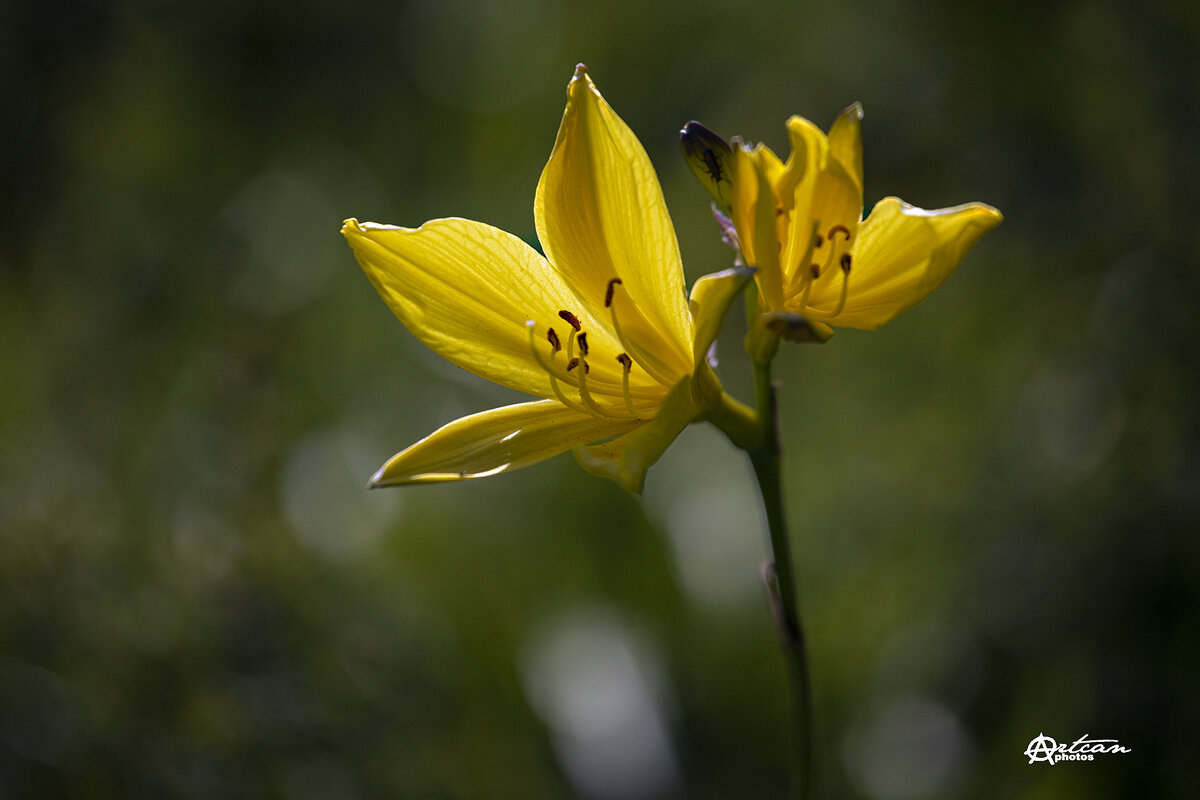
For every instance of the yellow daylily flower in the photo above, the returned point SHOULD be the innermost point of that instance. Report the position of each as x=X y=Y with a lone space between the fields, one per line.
x=600 y=328
x=819 y=264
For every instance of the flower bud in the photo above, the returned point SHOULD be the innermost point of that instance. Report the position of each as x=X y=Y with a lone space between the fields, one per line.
x=711 y=160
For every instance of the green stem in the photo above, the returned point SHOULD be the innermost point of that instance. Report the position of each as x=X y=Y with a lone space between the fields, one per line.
x=781 y=578
x=757 y=432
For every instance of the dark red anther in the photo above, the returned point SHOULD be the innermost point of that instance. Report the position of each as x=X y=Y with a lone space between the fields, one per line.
x=608 y=293
x=570 y=319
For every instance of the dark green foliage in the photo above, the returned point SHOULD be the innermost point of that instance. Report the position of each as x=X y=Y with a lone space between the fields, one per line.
x=994 y=498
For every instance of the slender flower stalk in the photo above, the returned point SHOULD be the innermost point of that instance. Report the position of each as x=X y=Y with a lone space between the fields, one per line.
x=818 y=265
x=780 y=581
x=758 y=435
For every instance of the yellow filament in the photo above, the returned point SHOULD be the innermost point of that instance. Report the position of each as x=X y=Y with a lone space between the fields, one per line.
x=832 y=253
x=805 y=273
x=562 y=398
x=636 y=352
x=587 y=396
x=627 y=363
x=831 y=238
x=845 y=290
x=845 y=264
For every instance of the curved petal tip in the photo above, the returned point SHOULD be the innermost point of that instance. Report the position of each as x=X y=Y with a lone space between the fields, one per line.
x=582 y=80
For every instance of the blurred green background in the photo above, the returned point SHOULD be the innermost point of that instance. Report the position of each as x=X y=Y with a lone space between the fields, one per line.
x=994 y=499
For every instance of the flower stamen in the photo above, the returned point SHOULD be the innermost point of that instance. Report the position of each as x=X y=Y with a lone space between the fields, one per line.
x=577 y=365
x=608 y=291
x=833 y=248
x=814 y=271
x=835 y=254
x=583 y=387
x=549 y=368
x=628 y=345
x=571 y=320
x=627 y=364
x=845 y=265
x=581 y=377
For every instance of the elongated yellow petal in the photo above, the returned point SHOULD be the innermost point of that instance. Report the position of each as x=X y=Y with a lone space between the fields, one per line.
x=835 y=206
x=808 y=147
x=466 y=290
x=745 y=195
x=600 y=215
x=830 y=194
x=766 y=230
x=797 y=185
x=903 y=253
x=810 y=150
x=768 y=163
x=626 y=458
x=495 y=441
x=710 y=300
x=845 y=145
x=837 y=199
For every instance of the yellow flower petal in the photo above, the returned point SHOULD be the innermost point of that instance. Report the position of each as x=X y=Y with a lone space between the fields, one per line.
x=845 y=145
x=710 y=300
x=495 y=441
x=903 y=253
x=797 y=185
x=769 y=163
x=757 y=216
x=766 y=230
x=466 y=290
x=837 y=200
x=810 y=150
x=829 y=191
x=745 y=193
x=626 y=458
x=600 y=215
x=808 y=147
